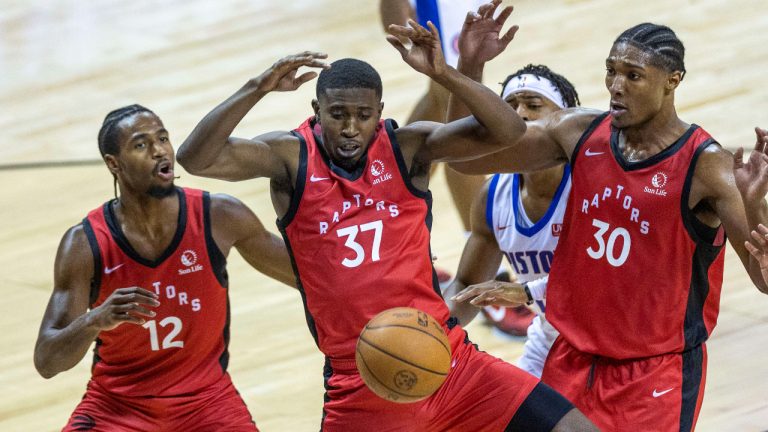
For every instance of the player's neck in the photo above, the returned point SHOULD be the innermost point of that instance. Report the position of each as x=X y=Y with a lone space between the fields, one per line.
x=149 y=217
x=654 y=135
x=542 y=184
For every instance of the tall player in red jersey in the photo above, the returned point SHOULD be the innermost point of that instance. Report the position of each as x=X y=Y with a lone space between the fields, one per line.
x=635 y=284
x=351 y=193
x=145 y=276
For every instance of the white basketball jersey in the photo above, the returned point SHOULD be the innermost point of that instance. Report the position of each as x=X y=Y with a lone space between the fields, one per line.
x=529 y=247
x=448 y=16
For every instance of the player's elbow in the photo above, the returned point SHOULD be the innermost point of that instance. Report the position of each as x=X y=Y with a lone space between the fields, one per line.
x=44 y=365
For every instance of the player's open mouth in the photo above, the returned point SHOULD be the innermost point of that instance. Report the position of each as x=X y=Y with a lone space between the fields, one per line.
x=164 y=170
x=617 y=109
x=348 y=148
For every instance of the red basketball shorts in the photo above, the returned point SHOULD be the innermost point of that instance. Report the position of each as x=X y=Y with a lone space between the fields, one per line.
x=481 y=393
x=216 y=408
x=661 y=393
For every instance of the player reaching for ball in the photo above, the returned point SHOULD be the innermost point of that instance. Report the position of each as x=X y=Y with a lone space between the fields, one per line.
x=351 y=194
x=145 y=276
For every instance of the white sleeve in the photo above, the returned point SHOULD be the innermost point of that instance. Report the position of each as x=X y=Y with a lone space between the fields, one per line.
x=538 y=288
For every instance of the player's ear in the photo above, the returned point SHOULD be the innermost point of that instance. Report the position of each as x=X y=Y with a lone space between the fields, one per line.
x=381 y=108
x=112 y=164
x=673 y=80
x=316 y=108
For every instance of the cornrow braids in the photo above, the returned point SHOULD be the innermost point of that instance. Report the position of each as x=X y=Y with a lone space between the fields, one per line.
x=108 y=133
x=566 y=89
x=668 y=50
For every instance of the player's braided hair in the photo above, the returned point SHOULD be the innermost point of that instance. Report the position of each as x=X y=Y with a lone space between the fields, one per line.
x=349 y=73
x=668 y=50
x=108 y=133
x=566 y=89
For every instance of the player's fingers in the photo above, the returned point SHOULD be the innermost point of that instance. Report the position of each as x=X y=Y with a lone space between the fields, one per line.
x=433 y=30
x=505 y=13
x=395 y=42
x=471 y=17
x=760 y=141
x=753 y=250
x=131 y=308
x=464 y=294
x=401 y=31
x=510 y=34
x=485 y=8
x=762 y=229
x=738 y=158
x=758 y=238
x=307 y=76
x=135 y=290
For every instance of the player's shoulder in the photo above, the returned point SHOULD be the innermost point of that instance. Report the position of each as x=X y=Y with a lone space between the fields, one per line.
x=227 y=209
x=416 y=131
x=74 y=244
x=714 y=159
x=578 y=118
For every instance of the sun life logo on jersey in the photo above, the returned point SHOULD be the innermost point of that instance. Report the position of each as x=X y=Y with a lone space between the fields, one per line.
x=658 y=181
x=189 y=259
x=377 y=170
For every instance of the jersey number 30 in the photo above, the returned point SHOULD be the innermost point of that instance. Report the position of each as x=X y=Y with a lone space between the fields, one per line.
x=351 y=233
x=607 y=250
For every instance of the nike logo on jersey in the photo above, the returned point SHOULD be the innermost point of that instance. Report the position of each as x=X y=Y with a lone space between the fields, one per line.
x=589 y=152
x=108 y=270
x=661 y=393
x=317 y=179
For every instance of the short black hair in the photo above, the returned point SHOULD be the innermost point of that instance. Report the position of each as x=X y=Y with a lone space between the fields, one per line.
x=660 y=40
x=349 y=73
x=108 y=133
x=566 y=89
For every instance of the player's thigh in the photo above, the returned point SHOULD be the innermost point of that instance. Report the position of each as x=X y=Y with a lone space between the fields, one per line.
x=98 y=412
x=223 y=410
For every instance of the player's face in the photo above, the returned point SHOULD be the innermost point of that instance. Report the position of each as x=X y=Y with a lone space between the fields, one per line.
x=348 y=118
x=639 y=90
x=531 y=106
x=146 y=155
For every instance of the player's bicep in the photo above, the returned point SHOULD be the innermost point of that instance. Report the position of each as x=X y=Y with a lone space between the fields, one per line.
x=243 y=159
x=234 y=224
x=73 y=275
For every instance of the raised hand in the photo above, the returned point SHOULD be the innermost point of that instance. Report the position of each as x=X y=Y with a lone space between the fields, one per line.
x=282 y=75
x=124 y=305
x=425 y=53
x=752 y=176
x=493 y=293
x=758 y=247
x=480 y=40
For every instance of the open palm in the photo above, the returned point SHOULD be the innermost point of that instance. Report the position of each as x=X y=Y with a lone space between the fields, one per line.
x=480 y=40
x=752 y=176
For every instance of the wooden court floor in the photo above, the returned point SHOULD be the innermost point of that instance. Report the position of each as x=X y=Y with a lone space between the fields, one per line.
x=64 y=64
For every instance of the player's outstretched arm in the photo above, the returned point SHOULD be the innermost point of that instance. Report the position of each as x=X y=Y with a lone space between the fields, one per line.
x=211 y=151
x=68 y=327
x=234 y=224
x=494 y=124
x=479 y=261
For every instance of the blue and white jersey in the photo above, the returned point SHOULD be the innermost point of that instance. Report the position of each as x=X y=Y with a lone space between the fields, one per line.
x=528 y=246
x=448 y=16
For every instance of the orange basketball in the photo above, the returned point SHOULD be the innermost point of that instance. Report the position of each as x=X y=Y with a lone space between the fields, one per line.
x=403 y=355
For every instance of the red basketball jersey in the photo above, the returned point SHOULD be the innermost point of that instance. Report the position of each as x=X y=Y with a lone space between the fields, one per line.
x=359 y=241
x=633 y=276
x=184 y=347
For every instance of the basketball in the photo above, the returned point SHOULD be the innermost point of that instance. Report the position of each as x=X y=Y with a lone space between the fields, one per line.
x=403 y=355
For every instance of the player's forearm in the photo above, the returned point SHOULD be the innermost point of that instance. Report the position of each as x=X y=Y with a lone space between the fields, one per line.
x=500 y=122
x=210 y=137
x=58 y=350
x=463 y=311
x=456 y=107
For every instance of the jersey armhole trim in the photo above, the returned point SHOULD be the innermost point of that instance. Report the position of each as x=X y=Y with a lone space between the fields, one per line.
x=585 y=136
x=390 y=126
x=215 y=256
x=93 y=295
x=686 y=213
x=301 y=178
x=544 y=220
x=489 y=200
